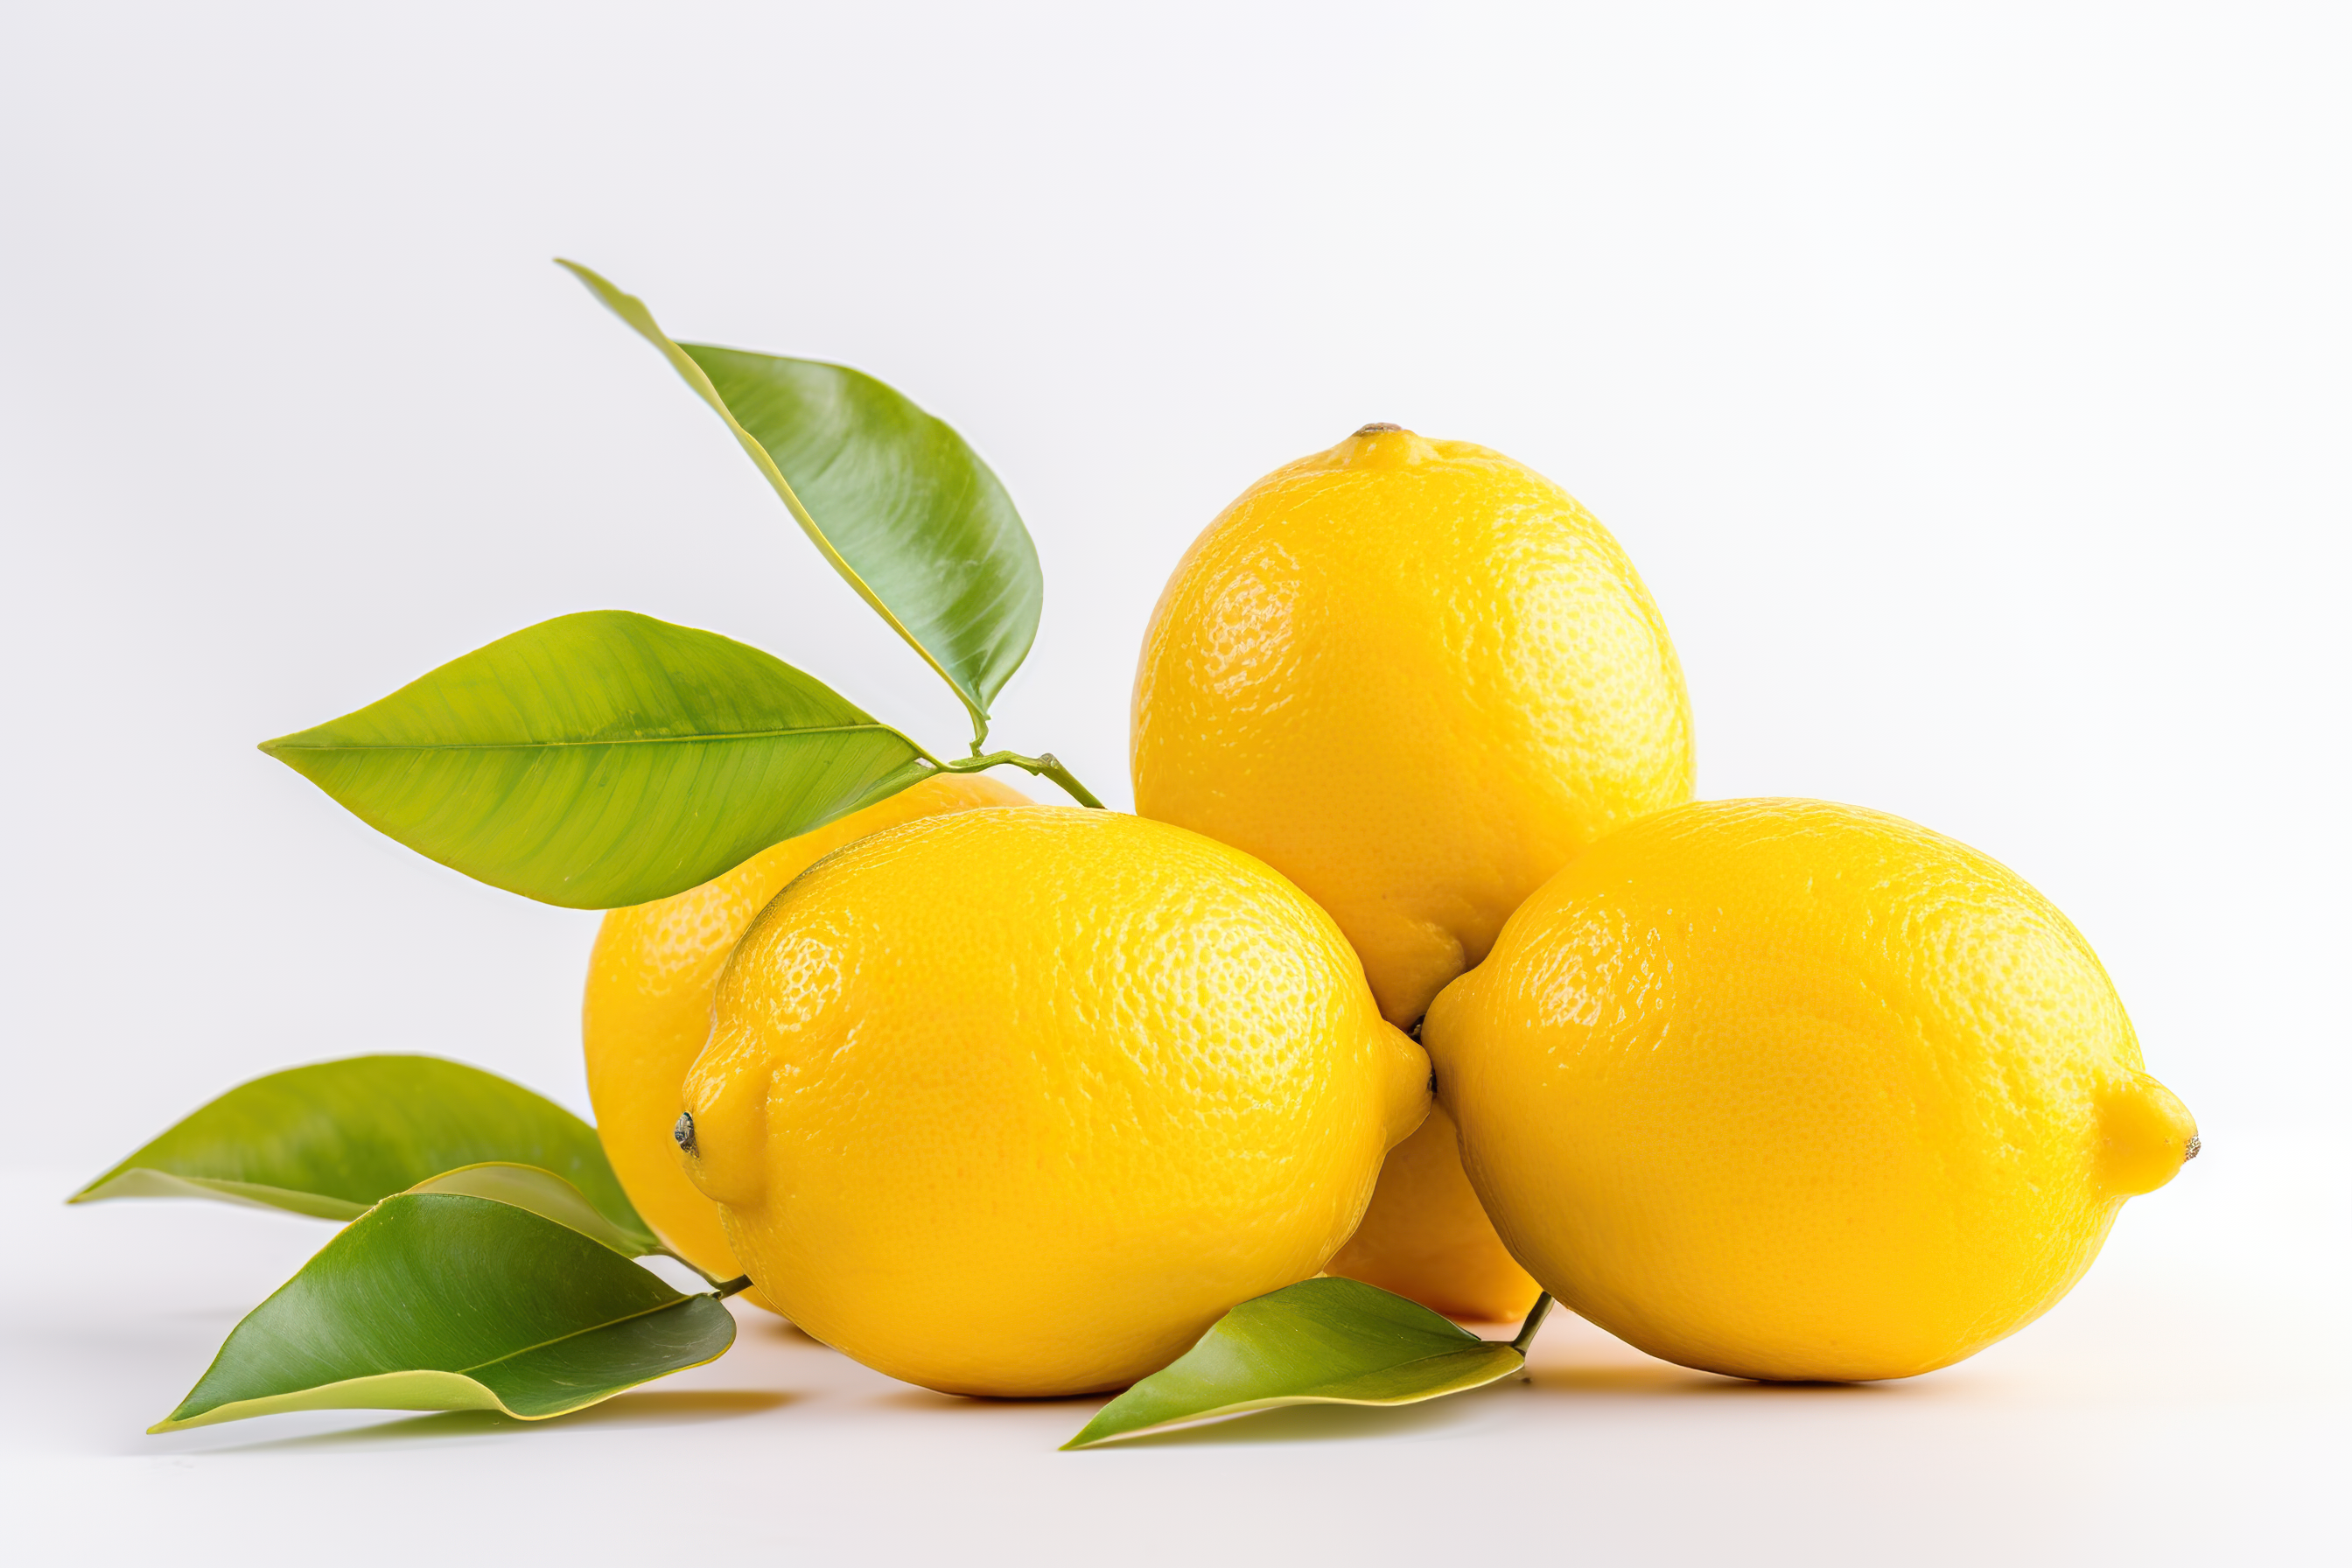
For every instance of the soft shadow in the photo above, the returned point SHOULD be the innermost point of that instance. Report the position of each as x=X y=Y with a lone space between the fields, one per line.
x=1747 y=1388
x=932 y=1400
x=1657 y=1378
x=769 y=1326
x=674 y=1408
x=667 y=1408
x=1665 y=1379
x=1304 y=1424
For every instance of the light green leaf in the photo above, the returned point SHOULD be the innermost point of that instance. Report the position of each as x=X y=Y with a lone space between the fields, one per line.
x=1320 y=1341
x=332 y=1139
x=546 y=1195
x=603 y=759
x=445 y=1301
x=892 y=497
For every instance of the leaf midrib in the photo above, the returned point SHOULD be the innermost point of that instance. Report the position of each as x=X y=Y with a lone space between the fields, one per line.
x=591 y=1329
x=546 y=745
x=464 y=1372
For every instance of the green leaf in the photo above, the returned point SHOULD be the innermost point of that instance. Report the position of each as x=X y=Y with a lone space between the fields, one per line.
x=444 y=1301
x=603 y=759
x=333 y=1139
x=892 y=497
x=1320 y=1341
x=547 y=1196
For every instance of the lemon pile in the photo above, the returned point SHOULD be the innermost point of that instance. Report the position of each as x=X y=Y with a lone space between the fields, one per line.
x=1007 y=1099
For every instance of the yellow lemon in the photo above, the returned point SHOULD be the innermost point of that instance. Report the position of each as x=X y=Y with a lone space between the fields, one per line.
x=648 y=1009
x=1793 y=1090
x=1427 y=1237
x=1414 y=677
x=1020 y=1101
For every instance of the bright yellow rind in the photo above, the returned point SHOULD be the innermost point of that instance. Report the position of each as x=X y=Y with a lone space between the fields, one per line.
x=647 y=1013
x=1793 y=1090
x=1020 y=1101
x=1426 y=1237
x=1415 y=677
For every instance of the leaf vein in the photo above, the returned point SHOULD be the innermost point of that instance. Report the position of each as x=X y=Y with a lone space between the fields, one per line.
x=618 y=740
x=592 y=1328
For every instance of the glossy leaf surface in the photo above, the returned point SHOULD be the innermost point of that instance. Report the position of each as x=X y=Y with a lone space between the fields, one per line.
x=546 y=1195
x=892 y=497
x=444 y=1301
x=603 y=759
x=333 y=1138
x=1320 y=1341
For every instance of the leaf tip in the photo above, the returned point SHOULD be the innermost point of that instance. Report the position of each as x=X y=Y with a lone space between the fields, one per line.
x=179 y=1418
x=597 y=283
x=299 y=750
x=94 y=1189
x=282 y=746
x=1093 y=1432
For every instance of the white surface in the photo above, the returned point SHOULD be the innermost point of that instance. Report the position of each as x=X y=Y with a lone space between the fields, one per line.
x=1969 y=383
x=2167 y=1412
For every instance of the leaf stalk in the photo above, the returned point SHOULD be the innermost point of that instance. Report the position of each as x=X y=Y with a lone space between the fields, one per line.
x=1527 y=1335
x=1048 y=766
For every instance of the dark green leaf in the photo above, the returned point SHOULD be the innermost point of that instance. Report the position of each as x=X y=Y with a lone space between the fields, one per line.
x=443 y=1301
x=1321 y=1342
x=603 y=759
x=333 y=1139
x=893 y=497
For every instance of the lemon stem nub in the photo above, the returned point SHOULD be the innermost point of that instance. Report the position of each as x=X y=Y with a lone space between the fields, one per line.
x=2189 y=1150
x=1376 y=429
x=684 y=1131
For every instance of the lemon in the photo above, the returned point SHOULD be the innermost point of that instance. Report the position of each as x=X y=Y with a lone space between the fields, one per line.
x=1427 y=1237
x=1019 y=1101
x=647 y=1008
x=1793 y=1090
x=1415 y=677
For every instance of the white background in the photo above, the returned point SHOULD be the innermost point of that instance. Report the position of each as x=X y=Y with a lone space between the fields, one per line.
x=1969 y=383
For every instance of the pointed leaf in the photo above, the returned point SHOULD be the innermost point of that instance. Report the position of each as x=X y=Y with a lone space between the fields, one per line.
x=444 y=1302
x=892 y=497
x=1320 y=1341
x=603 y=759
x=547 y=1196
x=333 y=1138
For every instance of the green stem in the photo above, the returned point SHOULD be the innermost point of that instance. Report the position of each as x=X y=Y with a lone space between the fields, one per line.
x=708 y=1277
x=1535 y=1320
x=1047 y=766
x=740 y=1282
